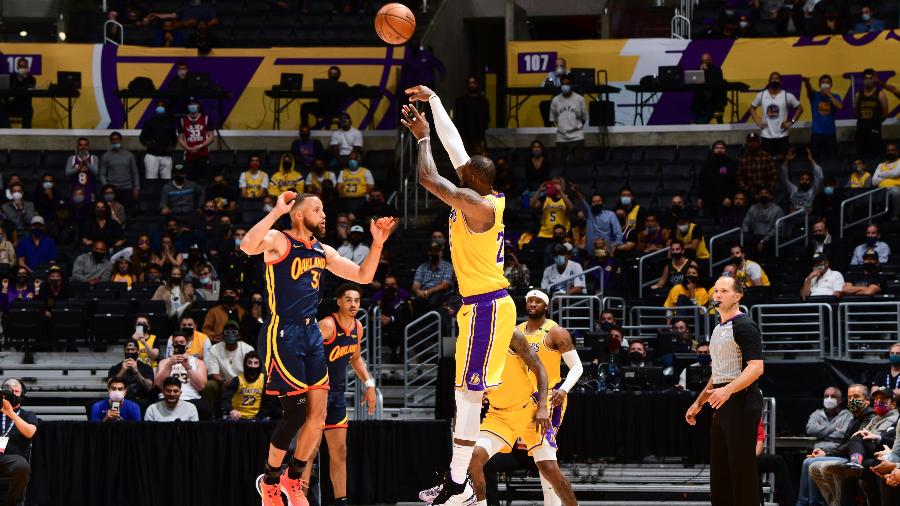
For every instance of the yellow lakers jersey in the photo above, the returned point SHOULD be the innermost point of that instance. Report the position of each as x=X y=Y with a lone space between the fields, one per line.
x=254 y=184
x=687 y=238
x=517 y=387
x=859 y=181
x=143 y=354
x=282 y=182
x=550 y=358
x=887 y=167
x=744 y=278
x=248 y=397
x=553 y=214
x=478 y=257
x=632 y=217
x=353 y=184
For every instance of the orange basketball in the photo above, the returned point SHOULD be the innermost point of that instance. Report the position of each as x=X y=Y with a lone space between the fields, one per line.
x=395 y=23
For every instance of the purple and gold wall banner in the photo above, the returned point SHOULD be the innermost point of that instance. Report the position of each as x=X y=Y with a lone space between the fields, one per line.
x=747 y=60
x=244 y=73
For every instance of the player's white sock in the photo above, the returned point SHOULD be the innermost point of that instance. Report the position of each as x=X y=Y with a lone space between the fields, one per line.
x=459 y=464
x=468 y=412
x=550 y=497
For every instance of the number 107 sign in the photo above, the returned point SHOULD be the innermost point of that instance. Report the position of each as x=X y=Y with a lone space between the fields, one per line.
x=533 y=63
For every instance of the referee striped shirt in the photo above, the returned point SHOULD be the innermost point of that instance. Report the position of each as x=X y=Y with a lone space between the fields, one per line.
x=734 y=343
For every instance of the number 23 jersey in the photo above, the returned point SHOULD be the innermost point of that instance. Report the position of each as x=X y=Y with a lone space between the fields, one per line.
x=478 y=257
x=292 y=281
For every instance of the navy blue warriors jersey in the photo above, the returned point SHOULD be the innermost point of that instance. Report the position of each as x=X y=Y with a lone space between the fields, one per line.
x=292 y=281
x=339 y=348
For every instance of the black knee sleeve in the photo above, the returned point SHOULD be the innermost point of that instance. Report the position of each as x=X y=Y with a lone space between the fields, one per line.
x=294 y=408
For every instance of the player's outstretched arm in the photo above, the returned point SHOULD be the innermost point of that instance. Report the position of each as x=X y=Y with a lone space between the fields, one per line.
x=519 y=344
x=364 y=273
x=261 y=238
x=478 y=211
x=446 y=130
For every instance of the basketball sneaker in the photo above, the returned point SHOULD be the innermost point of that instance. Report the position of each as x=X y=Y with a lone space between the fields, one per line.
x=428 y=496
x=293 y=490
x=271 y=494
x=455 y=494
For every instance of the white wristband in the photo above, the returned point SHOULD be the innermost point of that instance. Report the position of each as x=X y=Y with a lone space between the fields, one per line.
x=369 y=383
x=423 y=139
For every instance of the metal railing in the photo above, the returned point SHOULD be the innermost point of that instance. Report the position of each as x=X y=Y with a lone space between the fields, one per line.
x=870 y=196
x=119 y=27
x=361 y=411
x=784 y=221
x=712 y=250
x=646 y=322
x=576 y=312
x=680 y=26
x=644 y=258
x=868 y=328
x=617 y=306
x=795 y=331
x=770 y=427
x=421 y=353
x=563 y=281
x=365 y=346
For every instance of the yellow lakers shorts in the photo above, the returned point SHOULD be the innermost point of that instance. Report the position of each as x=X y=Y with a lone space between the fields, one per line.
x=486 y=324
x=513 y=424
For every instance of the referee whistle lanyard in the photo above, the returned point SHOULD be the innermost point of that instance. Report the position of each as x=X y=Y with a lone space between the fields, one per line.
x=887 y=381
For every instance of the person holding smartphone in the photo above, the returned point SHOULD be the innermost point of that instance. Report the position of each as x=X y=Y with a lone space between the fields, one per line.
x=116 y=408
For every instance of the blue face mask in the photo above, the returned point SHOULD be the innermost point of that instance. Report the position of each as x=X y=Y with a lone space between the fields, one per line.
x=352 y=164
x=560 y=260
x=895 y=359
x=626 y=201
x=115 y=145
x=566 y=89
x=704 y=360
x=193 y=108
x=160 y=110
x=829 y=190
x=866 y=17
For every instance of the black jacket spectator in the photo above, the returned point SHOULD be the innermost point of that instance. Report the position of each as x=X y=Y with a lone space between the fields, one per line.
x=472 y=116
x=109 y=231
x=158 y=135
x=717 y=181
x=134 y=390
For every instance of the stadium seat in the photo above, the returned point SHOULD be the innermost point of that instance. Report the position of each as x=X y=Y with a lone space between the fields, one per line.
x=67 y=322
x=222 y=158
x=677 y=170
x=610 y=172
x=22 y=159
x=56 y=159
x=626 y=154
x=659 y=153
x=643 y=171
x=24 y=322
x=693 y=153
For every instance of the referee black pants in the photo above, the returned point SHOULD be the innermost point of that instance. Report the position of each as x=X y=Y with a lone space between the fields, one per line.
x=734 y=477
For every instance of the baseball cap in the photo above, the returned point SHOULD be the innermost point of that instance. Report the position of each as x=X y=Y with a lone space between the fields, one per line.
x=436 y=245
x=870 y=253
x=819 y=257
x=357 y=228
x=538 y=294
x=883 y=392
x=37 y=219
x=753 y=136
x=231 y=324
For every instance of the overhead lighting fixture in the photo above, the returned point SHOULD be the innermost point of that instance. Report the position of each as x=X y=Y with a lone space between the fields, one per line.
x=23 y=34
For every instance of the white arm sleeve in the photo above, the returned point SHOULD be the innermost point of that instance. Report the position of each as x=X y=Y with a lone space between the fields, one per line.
x=447 y=133
x=575 y=369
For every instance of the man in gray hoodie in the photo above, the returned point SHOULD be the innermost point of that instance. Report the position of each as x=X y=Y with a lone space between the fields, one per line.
x=760 y=220
x=181 y=198
x=829 y=424
x=809 y=184
x=569 y=112
x=119 y=168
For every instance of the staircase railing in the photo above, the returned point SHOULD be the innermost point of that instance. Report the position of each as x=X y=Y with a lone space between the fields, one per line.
x=681 y=21
x=121 y=30
x=421 y=354
x=870 y=197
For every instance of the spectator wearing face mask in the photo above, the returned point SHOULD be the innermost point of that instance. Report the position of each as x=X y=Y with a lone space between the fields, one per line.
x=870 y=281
x=704 y=359
x=21 y=107
x=122 y=273
x=613 y=351
x=873 y=242
x=821 y=240
x=118 y=168
x=517 y=273
x=824 y=105
x=306 y=149
x=860 y=179
x=395 y=313
x=570 y=115
x=691 y=234
x=47 y=198
x=115 y=408
x=747 y=272
x=172 y=408
x=84 y=168
x=115 y=208
x=637 y=354
x=223 y=195
x=773 y=120
x=653 y=237
x=889 y=377
x=558 y=238
x=674 y=272
x=286 y=177
x=353 y=183
x=759 y=222
x=195 y=135
x=554 y=205
x=218 y=316
x=829 y=423
x=198 y=343
x=801 y=195
x=225 y=361
x=19 y=211
x=56 y=289
x=822 y=281
x=7 y=250
x=887 y=175
x=147 y=345
x=717 y=181
x=609 y=276
x=871 y=108
x=102 y=228
x=537 y=167
x=136 y=376
x=353 y=248
x=756 y=167
x=243 y=394
x=20 y=427
x=376 y=207
x=554 y=78
x=36 y=248
x=159 y=137
x=433 y=279
x=563 y=276
x=472 y=115
x=181 y=197
x=188 y=369
x=254 y=182
x=867 y=20
x=253 y=319
x=92 y=267
x=600 y=223
x=318 y=174
x=346 y=139
x=688 y=292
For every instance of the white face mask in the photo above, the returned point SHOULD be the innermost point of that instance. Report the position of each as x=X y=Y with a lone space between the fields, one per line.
x=683 y=228
x=117 y=396
x=825 y=86
x=17 y=196
x=830 y=403
x=182 y=73
x=47 y=185
x=22 y=71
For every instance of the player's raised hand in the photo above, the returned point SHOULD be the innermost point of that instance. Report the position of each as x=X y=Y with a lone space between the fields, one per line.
x=381 y=230
x=420 y=93
x=415 y=122
x=285 y=202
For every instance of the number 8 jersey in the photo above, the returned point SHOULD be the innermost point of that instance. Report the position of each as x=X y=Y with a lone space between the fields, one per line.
x=292 y=281
x=478 y=257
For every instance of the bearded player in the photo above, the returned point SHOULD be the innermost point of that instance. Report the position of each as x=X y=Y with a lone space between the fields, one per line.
x=519 y=413
x=342 y=333
x=294 y=352
x=488 y=315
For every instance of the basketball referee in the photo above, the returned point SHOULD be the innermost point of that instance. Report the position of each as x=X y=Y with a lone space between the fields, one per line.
x=732 y=391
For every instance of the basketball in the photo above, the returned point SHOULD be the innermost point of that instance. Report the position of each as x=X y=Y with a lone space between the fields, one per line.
x=395 y=23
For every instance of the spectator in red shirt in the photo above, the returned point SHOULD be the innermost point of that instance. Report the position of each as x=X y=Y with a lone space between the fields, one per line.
x=195 y=134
